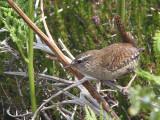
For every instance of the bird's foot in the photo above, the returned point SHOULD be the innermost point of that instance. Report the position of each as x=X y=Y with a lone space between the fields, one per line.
x=124 y=90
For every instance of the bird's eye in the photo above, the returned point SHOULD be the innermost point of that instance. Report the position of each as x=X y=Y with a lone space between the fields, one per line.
x=79 y=61
x=83 y=59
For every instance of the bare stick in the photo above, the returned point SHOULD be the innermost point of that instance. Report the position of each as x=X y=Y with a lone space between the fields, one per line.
x=18 y=116
x=64 y=48
x=49 y=34
x=39 y=75
x=58 y=93
x=131 y=81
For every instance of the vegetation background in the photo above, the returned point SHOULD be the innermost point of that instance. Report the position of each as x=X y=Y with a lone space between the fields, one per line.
x=82 y=25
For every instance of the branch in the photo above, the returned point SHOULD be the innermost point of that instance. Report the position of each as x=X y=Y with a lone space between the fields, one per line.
x=57 y=94
x=41 y=76
x=64 y=48
x=18 y=116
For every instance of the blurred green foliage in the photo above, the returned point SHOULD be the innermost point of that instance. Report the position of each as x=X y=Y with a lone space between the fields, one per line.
x=90 y=115
x=85 y=25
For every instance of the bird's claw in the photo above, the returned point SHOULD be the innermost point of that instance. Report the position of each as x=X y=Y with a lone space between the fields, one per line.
x=124 y=90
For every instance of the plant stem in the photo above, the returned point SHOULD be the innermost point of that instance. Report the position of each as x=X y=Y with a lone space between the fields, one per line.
x=30 y=58
x=122 y=10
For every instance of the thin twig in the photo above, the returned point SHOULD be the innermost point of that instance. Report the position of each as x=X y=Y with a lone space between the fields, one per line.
x=41 y=76
x=5 y=47
x=48 y=32
x=131 y=81
x=64 y=48
x=45 y=24
x=9 y=98
x=65 y=115
x=78 y=101
x=58 y=93
x=20 y=115
x=74 y=111
x=41 y=46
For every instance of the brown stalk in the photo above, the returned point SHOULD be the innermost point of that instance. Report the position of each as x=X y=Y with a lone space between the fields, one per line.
x=63 y=60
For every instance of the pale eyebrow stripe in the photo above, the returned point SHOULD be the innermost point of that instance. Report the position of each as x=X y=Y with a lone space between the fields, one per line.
x=83 y=57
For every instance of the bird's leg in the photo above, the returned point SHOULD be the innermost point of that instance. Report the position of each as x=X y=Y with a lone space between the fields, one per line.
x=112 y=84
x=98 y=86
x=124 y=90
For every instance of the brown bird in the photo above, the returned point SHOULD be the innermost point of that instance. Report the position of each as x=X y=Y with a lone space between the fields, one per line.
x=110 y=62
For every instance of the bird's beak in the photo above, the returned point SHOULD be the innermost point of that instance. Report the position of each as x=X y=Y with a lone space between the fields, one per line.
x=69 y=65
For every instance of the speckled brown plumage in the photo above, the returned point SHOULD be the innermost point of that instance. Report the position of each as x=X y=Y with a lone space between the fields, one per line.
x=118 y=55
x=108 y=63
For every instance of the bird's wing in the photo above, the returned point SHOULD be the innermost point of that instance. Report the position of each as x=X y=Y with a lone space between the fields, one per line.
x=118 y=56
